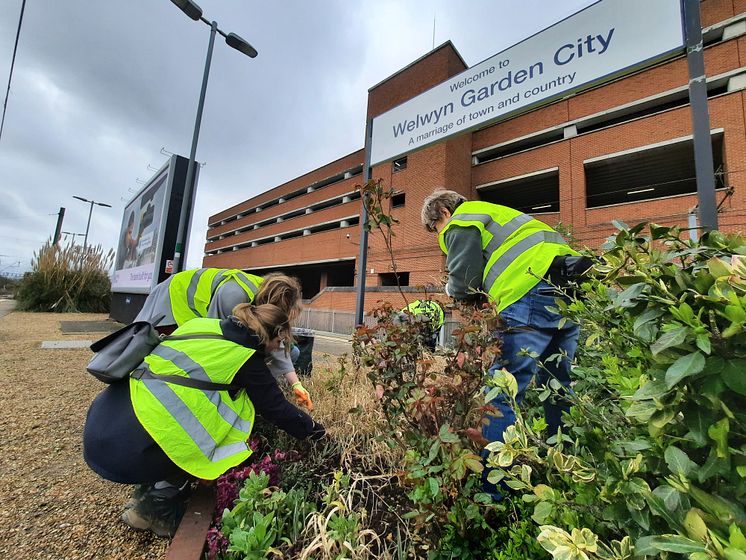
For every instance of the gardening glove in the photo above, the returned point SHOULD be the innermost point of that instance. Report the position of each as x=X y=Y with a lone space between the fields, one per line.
x=302 y=396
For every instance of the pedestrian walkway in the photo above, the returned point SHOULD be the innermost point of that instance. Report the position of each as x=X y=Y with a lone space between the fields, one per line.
x=331 y=343
x=6 y=306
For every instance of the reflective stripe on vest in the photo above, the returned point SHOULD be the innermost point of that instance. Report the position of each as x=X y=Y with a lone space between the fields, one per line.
x=203 y=432
x=504 y=261
x=191 y=291
x=517 y=249
x=196 y=371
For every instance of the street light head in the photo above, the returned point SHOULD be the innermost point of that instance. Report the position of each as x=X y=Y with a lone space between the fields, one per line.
x=240 y=44
x=190 y=8
x=104 y=204
x=81 y=198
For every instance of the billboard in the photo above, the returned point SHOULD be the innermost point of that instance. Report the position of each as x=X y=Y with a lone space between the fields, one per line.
x=148 y=232
x=601 y=42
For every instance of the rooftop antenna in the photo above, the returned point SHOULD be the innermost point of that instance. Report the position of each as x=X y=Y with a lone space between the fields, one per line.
x=433 y=30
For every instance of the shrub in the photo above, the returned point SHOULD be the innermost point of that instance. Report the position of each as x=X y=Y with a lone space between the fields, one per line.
x=67 y=279
x=653 y=458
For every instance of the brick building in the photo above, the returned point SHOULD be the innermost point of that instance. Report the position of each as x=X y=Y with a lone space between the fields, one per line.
x=622 y=150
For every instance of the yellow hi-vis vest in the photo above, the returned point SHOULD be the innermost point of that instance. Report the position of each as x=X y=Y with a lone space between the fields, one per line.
x=429 y=309
x=190 y=291
x=517 y=249
x=203 y=432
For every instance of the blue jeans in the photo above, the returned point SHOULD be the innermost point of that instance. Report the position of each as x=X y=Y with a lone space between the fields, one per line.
x=529 y=325
x=294 y=353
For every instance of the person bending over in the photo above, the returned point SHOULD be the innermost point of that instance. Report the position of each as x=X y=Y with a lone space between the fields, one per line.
x=158 y=430
x=214 y=292
x=516 y=260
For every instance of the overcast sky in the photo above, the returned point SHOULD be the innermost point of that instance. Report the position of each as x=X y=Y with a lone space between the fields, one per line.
x=100 y=86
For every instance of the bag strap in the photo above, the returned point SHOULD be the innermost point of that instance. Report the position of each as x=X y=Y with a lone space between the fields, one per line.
x=145 y=373
x=189 y=336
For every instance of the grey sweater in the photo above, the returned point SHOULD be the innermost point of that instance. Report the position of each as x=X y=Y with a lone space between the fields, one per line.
x=465 y=262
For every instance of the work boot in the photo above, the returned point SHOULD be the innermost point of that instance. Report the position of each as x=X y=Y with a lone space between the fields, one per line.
x=160 y=510
x=137 y=495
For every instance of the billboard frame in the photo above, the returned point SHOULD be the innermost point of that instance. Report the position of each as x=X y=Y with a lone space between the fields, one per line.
x=173 y=192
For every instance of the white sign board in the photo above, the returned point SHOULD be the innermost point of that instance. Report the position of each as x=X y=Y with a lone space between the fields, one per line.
x=601 y=42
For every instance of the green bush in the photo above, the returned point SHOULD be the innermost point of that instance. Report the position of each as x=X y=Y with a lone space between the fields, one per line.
x=653 y=459
x=67 y=279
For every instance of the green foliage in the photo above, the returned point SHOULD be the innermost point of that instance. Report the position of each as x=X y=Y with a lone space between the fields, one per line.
x=264 y=518
x=506 y=534
x=435 y=417
x=653 y=458
x=67 y=279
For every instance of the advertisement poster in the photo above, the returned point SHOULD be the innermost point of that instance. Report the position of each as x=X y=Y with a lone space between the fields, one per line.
x=140 y=238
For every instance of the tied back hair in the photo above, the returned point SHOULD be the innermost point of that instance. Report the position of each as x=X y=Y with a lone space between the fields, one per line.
x=283 y=291
x=267 y=321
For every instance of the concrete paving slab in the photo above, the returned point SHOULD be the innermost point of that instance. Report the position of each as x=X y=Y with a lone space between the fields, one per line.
x=66 y=343
x=89 y=326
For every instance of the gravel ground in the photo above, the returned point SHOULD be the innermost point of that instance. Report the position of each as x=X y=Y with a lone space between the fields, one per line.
x=51 y=505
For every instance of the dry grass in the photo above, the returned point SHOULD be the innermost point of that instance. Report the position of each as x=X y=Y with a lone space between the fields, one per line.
x=345 y=403
x=51 y=505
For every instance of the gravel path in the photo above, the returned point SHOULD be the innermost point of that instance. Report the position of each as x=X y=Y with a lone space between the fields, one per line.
x=51 y=505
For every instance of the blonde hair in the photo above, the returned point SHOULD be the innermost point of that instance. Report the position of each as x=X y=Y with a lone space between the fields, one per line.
x=431 y=206
x=267 y=321
x=283 y=291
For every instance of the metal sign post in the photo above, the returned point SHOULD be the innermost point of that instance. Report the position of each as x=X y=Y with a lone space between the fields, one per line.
x=362 y=260
x=700 y=116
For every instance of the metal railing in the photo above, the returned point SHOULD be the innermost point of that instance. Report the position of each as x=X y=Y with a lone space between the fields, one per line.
x=343 y=322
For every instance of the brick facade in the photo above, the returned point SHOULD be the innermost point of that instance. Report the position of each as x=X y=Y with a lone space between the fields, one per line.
x=328 y=235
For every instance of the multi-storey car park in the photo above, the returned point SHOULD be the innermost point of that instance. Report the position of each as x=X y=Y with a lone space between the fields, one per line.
x=619 y=151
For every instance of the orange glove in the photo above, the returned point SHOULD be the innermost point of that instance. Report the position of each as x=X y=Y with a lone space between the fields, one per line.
x=302 y=396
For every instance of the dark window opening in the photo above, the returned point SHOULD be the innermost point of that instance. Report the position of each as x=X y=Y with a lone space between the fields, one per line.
x=398 y=200
x=399 y=164
x=521 y=146
x=341 y=276
x=310 y=276
x=389 y=278
x=532 y=195
x=612 y=118
x=678 y=100
x=655 y=173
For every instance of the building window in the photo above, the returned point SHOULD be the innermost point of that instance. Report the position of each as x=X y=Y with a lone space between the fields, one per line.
x=397 y=201
x=657 y=172
x=399 y=164
x=537 y=193
x=389 y=278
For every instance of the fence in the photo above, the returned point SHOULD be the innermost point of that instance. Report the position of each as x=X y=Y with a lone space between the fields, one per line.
x=343 y=322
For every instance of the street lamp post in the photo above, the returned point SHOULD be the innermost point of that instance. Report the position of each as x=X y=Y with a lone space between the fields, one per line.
x=192 y=10
x=87 y=227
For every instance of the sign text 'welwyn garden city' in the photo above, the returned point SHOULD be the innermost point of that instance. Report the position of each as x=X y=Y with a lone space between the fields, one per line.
x=603 y=41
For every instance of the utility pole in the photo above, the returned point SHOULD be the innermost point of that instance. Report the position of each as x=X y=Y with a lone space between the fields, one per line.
x=58 y=229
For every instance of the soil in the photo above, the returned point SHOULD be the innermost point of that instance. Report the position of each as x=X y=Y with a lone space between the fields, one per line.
x=51 y=505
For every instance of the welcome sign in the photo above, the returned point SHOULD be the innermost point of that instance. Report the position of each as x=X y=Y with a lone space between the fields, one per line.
x=601 y=42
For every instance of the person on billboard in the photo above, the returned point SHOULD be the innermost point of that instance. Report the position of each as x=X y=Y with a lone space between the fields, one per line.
x=214 y=292
x=127 y=252
x=194 y=422
x=517 y=261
